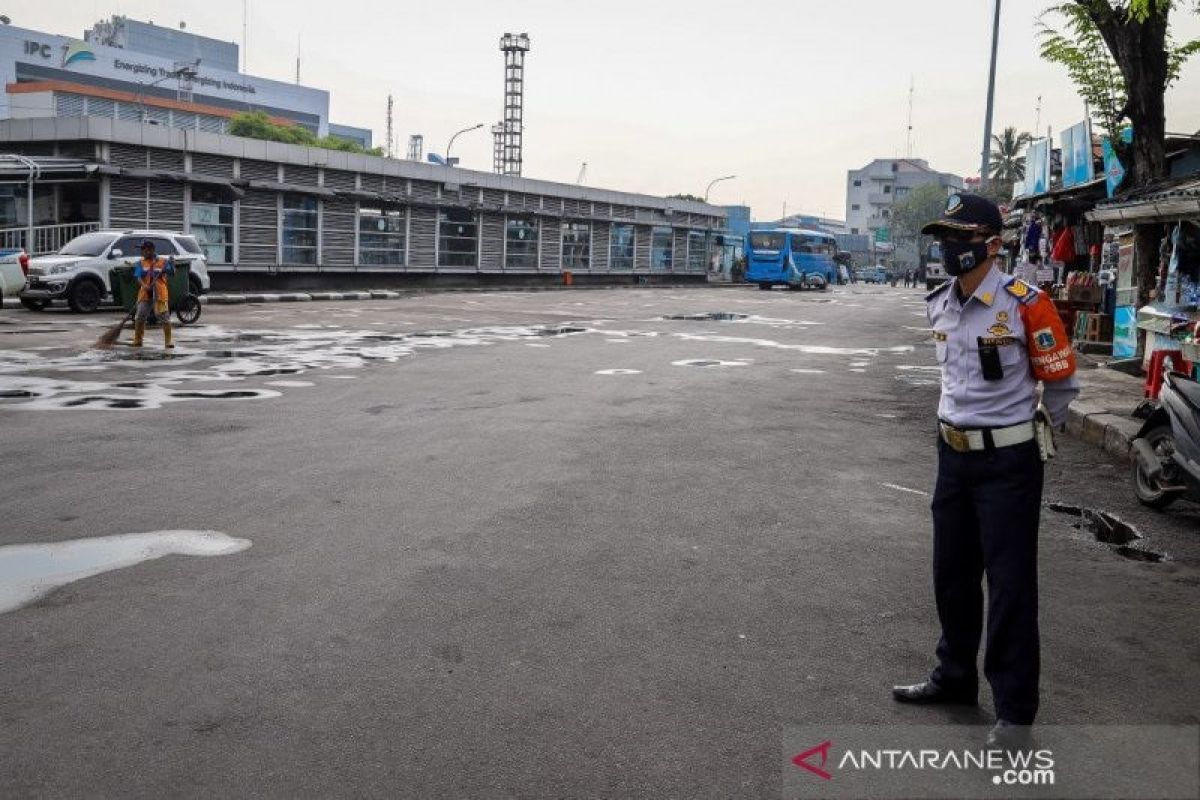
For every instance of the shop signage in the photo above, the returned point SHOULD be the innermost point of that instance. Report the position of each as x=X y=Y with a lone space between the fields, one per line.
x=1077 y=166
x=1114 y=170
x=1124 y=332
x=1037 y=167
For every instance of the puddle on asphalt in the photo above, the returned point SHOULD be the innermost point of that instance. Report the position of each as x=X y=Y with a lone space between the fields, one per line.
x=811 y=349
x=1121 y=537
x=712 y=316
x=733 y=316
x=708 y=362
x=211 y=353
x=29 y=572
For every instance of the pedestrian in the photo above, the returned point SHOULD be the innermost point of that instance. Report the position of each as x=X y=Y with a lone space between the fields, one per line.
x=153 y=296
x=995 y=337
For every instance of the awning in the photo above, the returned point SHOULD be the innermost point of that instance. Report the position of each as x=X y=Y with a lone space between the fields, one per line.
x=272 y=186
x=1167 y=200
x=208 y=180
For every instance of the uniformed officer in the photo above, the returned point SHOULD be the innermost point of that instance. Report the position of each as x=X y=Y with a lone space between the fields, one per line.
x=996 y=338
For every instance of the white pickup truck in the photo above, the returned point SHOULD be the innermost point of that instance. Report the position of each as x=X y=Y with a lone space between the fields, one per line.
x=13 y=266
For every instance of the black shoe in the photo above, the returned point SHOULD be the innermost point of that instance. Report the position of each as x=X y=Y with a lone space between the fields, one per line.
x=930 y=694
x=1010 y=736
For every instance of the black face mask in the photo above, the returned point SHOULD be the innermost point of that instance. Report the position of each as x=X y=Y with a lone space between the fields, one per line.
x=960 y=257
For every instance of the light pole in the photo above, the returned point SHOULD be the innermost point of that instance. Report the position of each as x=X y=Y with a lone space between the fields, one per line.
x=182 y=71
x=987 y=121
x=449 y=162
x=716 y=180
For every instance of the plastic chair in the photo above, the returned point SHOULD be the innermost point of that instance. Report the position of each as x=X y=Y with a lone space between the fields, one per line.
x=1154 y=373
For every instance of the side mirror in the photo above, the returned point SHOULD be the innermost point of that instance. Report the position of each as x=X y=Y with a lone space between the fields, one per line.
x=116 y=252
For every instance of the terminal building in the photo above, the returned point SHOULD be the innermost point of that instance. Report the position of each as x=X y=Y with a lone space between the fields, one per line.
x=87 y=136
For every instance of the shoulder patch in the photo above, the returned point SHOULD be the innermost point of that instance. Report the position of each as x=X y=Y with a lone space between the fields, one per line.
x=938 y=290
x=1022 y=290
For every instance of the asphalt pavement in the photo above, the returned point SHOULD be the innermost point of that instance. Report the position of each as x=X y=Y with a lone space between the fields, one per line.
x=543 y=544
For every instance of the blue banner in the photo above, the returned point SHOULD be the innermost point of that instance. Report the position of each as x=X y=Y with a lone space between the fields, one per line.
x=1077 y=166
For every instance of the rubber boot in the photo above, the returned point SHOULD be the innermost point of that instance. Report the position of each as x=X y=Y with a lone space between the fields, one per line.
x=139 y=332
x=168 y=335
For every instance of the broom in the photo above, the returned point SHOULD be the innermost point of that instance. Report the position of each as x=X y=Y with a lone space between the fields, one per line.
x=109 y=337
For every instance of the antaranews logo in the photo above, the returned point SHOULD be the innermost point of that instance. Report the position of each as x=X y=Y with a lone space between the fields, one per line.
x=822 y=749
x=1009 y=768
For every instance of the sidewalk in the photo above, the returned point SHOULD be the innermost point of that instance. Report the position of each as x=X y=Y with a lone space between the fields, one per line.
x=1101 y=414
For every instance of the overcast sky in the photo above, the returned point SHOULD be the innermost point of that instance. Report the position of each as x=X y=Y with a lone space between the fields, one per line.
x=661 y=96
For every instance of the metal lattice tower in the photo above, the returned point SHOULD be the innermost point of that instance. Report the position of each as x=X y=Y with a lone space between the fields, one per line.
x=416 y=143
x=391 y=139
x=498 y=148
x=514 y=46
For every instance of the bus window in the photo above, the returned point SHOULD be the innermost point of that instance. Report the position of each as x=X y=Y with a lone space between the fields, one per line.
x=766 y=241
x=813 y=244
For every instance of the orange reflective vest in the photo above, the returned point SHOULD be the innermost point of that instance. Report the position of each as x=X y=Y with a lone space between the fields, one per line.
x=152 y=277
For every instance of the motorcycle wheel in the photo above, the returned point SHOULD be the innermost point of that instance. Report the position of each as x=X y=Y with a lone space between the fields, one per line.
x=1149 y=492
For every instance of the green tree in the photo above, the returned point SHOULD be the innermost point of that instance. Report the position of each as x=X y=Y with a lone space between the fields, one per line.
x=923 y=204
x=257 y=125
x=1007 y=165
x=685 y=197
x=1126 y=79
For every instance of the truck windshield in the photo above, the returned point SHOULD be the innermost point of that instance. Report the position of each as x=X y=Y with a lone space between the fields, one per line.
x=766 y=241
x=90 y=244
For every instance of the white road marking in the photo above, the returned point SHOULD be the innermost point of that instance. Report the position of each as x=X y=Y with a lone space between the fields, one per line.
x=618 y=372
x=904 y=489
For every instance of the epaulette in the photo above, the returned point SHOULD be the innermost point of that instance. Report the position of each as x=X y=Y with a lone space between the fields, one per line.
x=943 y=287
x=1021 y=290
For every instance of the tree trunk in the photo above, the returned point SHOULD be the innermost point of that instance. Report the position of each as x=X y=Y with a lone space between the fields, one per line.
x=1139 y=48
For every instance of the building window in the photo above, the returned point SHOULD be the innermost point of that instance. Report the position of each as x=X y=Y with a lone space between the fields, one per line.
x=895 y=167
x=854 y=231
x=858 y=183
x=621 y=242
x=382 y=236
x=521 y=243
x=855 y=207
x=884 y=213
x=697 y=249
x=576 y=245
x=887 y=188
x=458 y=238
x=662 y=249
x=300 y=220
x=211 y=219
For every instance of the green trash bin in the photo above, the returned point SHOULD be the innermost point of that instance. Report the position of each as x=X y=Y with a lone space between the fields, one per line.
x=125 y=286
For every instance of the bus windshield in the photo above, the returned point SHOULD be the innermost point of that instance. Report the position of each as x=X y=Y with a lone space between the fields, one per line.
x=766 y=241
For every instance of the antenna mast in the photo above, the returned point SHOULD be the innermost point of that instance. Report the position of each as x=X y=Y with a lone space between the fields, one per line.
x=498 y=148
x=514 y=46
x=391 y=139
x=908 y=150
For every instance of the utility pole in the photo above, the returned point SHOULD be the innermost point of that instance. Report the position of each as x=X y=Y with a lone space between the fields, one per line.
x=985 y=156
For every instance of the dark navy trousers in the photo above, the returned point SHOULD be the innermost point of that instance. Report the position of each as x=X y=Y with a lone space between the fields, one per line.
x=986 y=509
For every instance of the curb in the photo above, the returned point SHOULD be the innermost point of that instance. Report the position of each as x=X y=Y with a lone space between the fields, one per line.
x=1096 y=426
x=218 y=299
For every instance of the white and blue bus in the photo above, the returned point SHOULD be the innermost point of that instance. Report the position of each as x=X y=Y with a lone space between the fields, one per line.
x=791 y=257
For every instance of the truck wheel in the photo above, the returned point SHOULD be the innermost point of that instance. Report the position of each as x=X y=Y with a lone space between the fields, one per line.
x=85 y=297
x=34 y=305
x=766 y=287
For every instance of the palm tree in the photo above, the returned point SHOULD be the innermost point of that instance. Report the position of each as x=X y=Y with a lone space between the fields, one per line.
x=1006 y=165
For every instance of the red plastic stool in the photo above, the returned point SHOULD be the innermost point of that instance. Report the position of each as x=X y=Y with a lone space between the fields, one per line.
x=1154 y=373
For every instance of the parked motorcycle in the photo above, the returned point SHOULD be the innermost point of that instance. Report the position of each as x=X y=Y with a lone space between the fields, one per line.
x=1166 y=450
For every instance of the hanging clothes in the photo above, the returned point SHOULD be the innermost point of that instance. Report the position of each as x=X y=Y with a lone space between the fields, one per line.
x=1064 y=246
